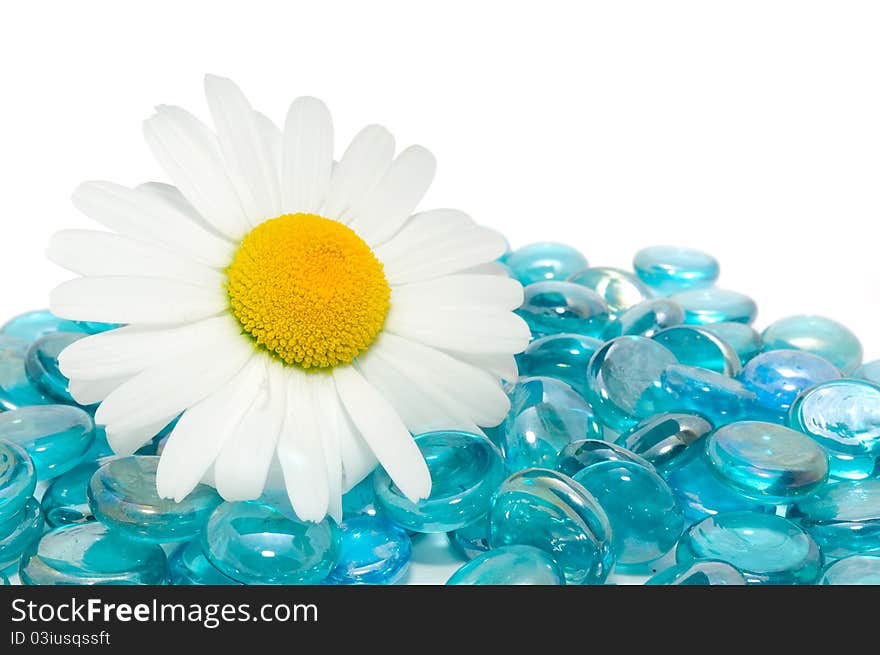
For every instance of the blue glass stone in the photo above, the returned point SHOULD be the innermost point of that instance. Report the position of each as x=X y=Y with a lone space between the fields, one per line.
x=623 y=378
x=695 y=346
x=17 y=479
x=90 y=554
x=372 y=551
x=556 y=307
x=713 y=305
x=360 y=499
x=869 y=371
x=545 y=415
x=122 y=494
x=619 y=289
x=670 y=269
x=716 y=397
x=699 y=573
x=562 y=357
x=818 y=335
x=473 y=539
x=57 y=437
x=189 y=566
x=646 y=520
x=66 y=498
x=30 y=326
x=96 y=327
x=853 y=570
x=550 y=511
x=779 y=376
x=744 y=339
x=41 y=365
x=254 y=543
x=100 y=446
x=509 y=565
x=465 y=469
x=3 y=580
x=766 y=548
x=578 y=455
x=843 y=517
x=852 y=467
x=664 y=439
x=16 y=389
x=538 y=262
x=649 y=317
x=19 y=531
x=767 y=462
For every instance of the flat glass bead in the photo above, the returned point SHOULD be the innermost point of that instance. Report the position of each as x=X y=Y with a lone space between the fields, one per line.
x=465 y=470
x=538 y=262
x=649 y=317
x=818 y=335
x=17 y=479
x=560 y=356
x=779 y=376
x=16 y=388
x=189 y=566
x=665 y=438
x=372 y=551
x=66 y=498
x=509 y=565
x=766 y=548
x=646 y=520
x=843 y=517
x=19 y=531
x=254 y=543
x=700 y=573
x=578 y=455
x=619 y=289
x=715 y=306
x=716 y=397
x=360 y=499
x=853 y=570
x=767 y=462
x=96 y=327
x=550 y=511
x=472 y=539
x=694 y=346
x=623 y=378
x=869 y=371
x=556 y=307
x=57 y=437
x=852 y=467
x=669 y=269
x=30 y=326
x=41 y=364
x=545 y=415
x=122 y=495
x=744 y=339
x=90 y=554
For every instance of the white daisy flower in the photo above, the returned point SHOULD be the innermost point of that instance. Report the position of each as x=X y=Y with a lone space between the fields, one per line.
x=292 y=308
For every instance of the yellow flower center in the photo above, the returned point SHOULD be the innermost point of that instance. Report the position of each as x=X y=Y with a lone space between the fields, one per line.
x=308 y=290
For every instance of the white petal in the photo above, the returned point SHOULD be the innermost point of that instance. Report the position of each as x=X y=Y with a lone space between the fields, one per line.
x=489 y=268
x=382 y=428
x=387 y=207
x=308 y=156
x=272 y=137
x=170 y=196
x=152 y=301
x=500 y=365
x=190 y=154
x=330 y=415
x=89 y=392
x=203 y=429
x=461 y=291
x=425 y=229
x=125 y=441
x=358 y=461
x=251 y=165
x=362 y=166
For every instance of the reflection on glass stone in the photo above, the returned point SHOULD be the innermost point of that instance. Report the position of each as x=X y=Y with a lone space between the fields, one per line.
x=818 y=335
x=57 y=437
x=853 y=570
x=669 y=269
x=744 y=339
x=869 y=371
x=694 y=346
x=19 y=531
x=16 y=389
x=189 y=566
x=360 y=499
x=718 y=398
x=649 y=317
x=714 y=305
x=619 y=289
x=372 y=551
x=699 y=573
x=66 y=498
x=665 y=438
x=556 y=307
x=578 y=455
x=472 y=539
x=41 y=364
x=30 y=326
x=17 y=479
x=538 y=262
x=509 y=565
x=560 y=356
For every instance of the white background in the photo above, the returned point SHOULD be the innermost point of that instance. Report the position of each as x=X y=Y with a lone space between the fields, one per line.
x=749 y=129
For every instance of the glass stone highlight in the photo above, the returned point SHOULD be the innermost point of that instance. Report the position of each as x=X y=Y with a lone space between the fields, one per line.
x=669 y=269
x=713 y=305
x=539 y=262
x=619 y=289
x=66 y=500
x=578 y=455
x=19 y=531
x=745 y=339
x=560 y=356
x=41 y=365
x=699 y=573
x=373 y=551
x=30 y=326
x=509 y=565
x=649 y=317
x=556 y=307
x=843 y=517
x=694 y=346
x=189 y=566
x=472 y=539
x=853 y=570
x=360 y=499
x=57 y=437
x=16 y=389
x=818 y=335
x=665 y=438
x=17 y=479
x=716 y=397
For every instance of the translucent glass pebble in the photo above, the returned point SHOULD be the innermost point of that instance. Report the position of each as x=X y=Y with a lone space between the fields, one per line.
x=714 y=305
x=663 y=439
x=818 y=335
x=19 y=531
x=66 y=498
x=694 y=346
x=869 y=371
x=852 y=570
x=556 y=307
x=16 y=388
x=509 y=565
x=744 y=339
x=30 y=326
x=778 y=376
x=41 y=364
x=372 y=551
x=545 y=415
x=699 y=573
x=578 y=455
x=538 y=262
x=623 y=379
x=649 y=317
x=122 y=495
x=360 y=499
x=843 y=517
x=766 y=548
x=188 y=565
x=619 y=289
x=472 y=539
x=646 y=520
x=768 y=462
x=560 y=356
x=17 y=479
x=718 y=398
x=90 y=554
x=465 y=469
x=550 y=511
x=669 y=269
x=57 y=437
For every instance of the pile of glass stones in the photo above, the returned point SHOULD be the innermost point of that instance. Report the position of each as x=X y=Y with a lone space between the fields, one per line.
x=654 y=436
